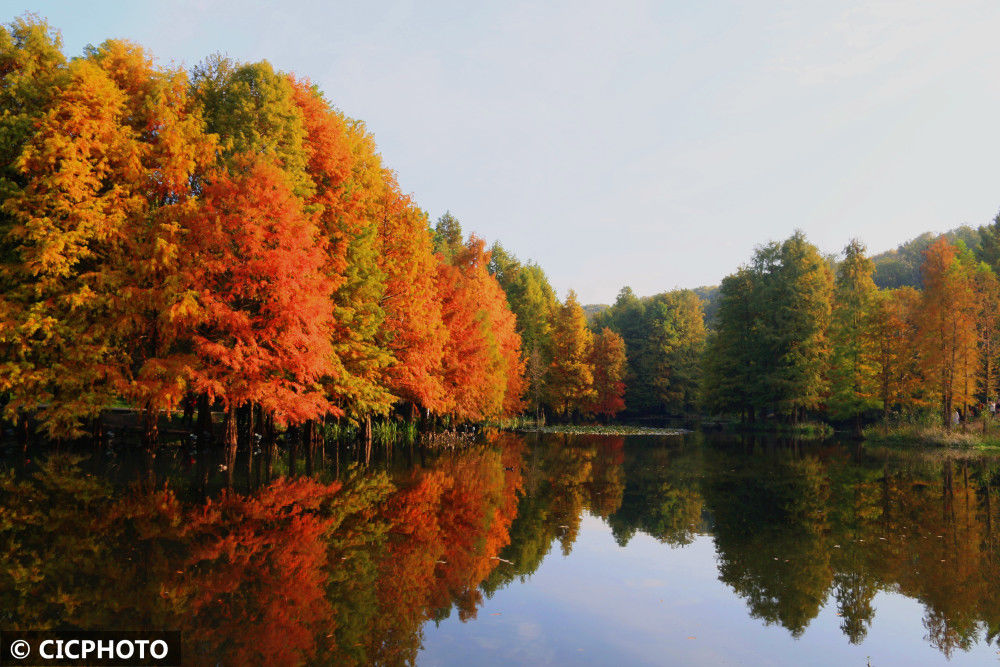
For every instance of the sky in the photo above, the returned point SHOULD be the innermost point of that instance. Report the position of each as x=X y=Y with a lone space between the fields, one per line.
x=649 y=144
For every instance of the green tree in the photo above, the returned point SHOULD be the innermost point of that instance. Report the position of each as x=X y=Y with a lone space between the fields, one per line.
x=988 y=248
x=796 y=316
x=253 y=110
x=852 y=375
x=626 y=318
x=987 y=290
x=664 y=338
x=770 y=350
x=730 y=361
x=448 y=238
x=672 y=354
x=534 y=304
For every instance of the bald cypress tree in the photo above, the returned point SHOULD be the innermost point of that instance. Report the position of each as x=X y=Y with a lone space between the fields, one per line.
x=852 y=372
x=534 y=304
x=731 y=360
x=253 y=110
x=672 y=354
x=988 y=249
x=570 y=378
x=770 y=350
x=797 y=298
x=448 y=239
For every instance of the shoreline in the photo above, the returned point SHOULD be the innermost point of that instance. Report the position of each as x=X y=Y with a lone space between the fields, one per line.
x=609 y=429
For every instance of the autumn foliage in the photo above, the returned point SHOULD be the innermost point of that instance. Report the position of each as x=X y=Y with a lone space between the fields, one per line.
x=608 y=358
x=482 y=355
x=299 y=571
x=227 y=236
x=919 y=355
x=257 y=310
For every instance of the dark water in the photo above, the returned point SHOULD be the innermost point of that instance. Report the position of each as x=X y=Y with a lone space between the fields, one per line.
x=690 y=549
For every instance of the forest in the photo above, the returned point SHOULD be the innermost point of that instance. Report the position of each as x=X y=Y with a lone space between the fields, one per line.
x=795 y=335
x=226 y=241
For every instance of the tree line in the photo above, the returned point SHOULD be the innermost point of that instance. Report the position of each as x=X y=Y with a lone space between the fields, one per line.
x=794 y=336
x=575 y=368
x=225 y=239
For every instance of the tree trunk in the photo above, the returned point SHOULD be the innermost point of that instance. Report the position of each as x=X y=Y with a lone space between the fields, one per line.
x=189 y=408
x=367 y=435
x=97 y=429
x=321 y=441
x=150 y=428
x=293 y=450
x=23 y=429
x=946 y=404
x=204 y=427
x=309 y=443
x=251 y=443
x=270 y=446
x=885 y=416
x=230 y=441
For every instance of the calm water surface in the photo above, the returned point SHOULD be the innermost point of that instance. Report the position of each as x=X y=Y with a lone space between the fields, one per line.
x=695 y=549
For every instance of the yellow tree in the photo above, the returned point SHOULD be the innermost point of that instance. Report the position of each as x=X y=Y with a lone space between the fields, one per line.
x=56 y=315
x=173 y=151
x=947 y=321
x=340 y=166
x=967 y=387
x=570 y=384
x=608 y=359
x=891 y=332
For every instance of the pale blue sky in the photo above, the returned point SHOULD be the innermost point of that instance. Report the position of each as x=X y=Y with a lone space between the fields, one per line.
x=648 y=144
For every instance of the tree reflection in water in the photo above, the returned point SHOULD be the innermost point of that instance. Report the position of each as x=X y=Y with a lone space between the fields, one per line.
x=347 y=566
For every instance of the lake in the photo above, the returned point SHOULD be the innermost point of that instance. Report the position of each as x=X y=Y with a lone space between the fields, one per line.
x=701 y=549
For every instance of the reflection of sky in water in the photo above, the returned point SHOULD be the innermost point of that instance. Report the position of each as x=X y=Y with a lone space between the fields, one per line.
x=652 y=604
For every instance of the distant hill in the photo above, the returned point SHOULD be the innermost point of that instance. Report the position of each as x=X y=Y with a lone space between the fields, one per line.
x=709 y=296
x=893 y=268
x=592 y=309
x=901 y=267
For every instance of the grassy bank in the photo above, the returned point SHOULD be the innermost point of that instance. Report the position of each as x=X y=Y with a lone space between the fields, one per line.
x=919 y=435
x=807 y=429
